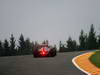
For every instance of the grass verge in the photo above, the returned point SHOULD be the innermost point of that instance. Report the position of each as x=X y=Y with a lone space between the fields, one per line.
x=95 y=59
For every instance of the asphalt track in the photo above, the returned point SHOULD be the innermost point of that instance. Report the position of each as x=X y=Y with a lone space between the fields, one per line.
x=27 y=65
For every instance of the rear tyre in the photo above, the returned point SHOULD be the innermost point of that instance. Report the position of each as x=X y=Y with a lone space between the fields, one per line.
x=35 y=54
x=53 y=52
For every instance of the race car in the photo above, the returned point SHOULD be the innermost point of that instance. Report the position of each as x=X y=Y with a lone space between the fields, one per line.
x=44 y=51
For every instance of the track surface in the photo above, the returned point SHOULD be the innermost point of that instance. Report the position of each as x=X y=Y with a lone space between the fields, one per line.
x=27 y=65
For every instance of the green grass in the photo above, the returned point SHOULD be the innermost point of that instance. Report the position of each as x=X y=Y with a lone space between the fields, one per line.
x=95 y=59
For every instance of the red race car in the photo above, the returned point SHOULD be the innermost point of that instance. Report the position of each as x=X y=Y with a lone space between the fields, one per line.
x=44 y=51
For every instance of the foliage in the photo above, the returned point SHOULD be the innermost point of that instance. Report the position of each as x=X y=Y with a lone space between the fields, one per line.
x=12 y=45
x=82 y=40
x=98 y=41
x=28 y=47
x=21 y=47
x=6 y=51
x=71 y=44
x=92 y=40
x=1 y=49
x=87 y=41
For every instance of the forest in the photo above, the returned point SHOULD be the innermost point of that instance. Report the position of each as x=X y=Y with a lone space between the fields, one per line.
x=87 y=41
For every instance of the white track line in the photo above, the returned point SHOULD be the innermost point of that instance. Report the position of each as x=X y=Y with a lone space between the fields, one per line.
x=73 y=61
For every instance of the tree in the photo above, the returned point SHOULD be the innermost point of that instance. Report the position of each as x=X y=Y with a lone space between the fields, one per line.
x=28 y=49
x=1 y=48
x=60 y=44
x=86 y=41
x=71 y=44
x=92 y=40
x=32 y=46
x=12 y=45
x=60 y=47
x=36 y=45
x=55 y=47
x=21 y=47
x=75 y=46
x=82 y=40
x=6 y=51
x=98 y=41
x=47 y=42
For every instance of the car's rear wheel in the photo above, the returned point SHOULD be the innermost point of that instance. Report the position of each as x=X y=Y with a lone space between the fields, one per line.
x=35 y=54
x=53 y=52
